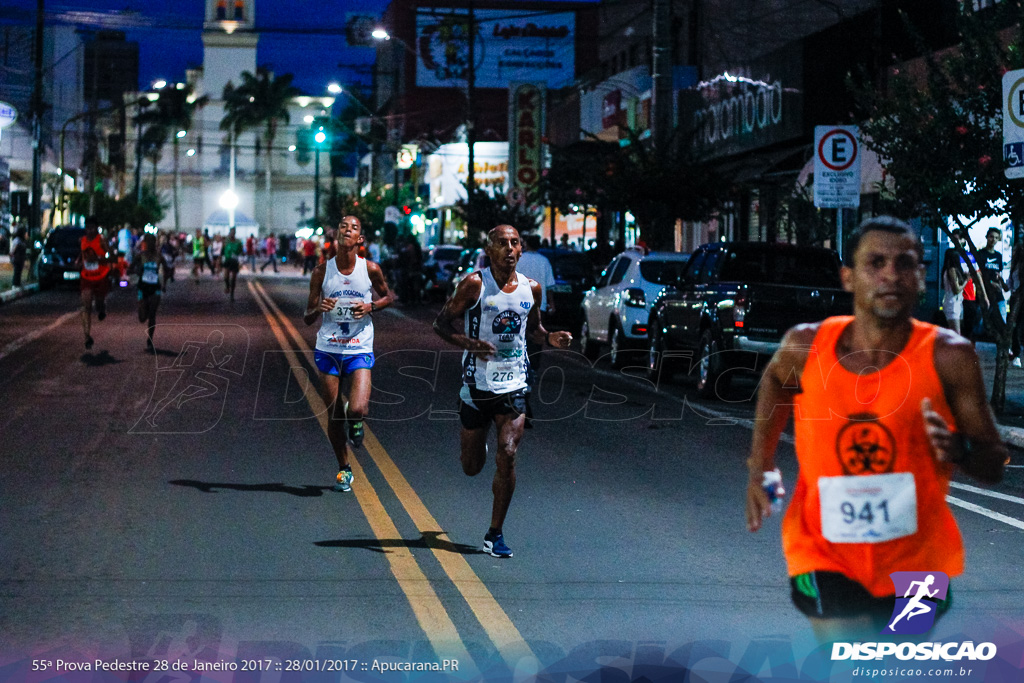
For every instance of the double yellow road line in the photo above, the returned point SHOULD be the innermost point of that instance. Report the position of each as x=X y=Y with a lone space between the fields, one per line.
x=433 y=618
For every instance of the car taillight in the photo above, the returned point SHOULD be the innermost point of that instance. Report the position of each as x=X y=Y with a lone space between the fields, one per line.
x=739 y=311
x=634 y=297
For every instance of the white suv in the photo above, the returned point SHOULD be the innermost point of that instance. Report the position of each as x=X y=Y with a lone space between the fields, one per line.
x=616 y=310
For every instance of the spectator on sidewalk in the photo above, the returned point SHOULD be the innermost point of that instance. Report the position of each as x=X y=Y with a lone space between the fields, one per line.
x=19 y=251
x=954 y=279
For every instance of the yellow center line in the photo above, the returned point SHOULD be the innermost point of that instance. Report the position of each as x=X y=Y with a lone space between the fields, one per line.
x=430 y=613
x=497 y=624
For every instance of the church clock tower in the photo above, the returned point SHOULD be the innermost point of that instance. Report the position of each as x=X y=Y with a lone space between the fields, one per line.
x=229 y=43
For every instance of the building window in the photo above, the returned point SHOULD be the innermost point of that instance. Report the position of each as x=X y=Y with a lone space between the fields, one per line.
x=222 y=10
x=239 y=10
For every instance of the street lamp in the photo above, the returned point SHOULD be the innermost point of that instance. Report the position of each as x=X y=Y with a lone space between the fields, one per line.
x=229 y=201
x=318 y=139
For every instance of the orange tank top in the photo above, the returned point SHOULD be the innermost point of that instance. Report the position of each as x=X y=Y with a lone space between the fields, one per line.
x=867 y=468
x=93 y=269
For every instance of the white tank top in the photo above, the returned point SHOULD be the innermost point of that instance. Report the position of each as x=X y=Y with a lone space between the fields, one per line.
x=499 y=318
x=339 y=331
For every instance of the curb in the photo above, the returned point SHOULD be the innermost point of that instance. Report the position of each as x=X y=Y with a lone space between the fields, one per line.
x=24 y=290
x=1013 y=436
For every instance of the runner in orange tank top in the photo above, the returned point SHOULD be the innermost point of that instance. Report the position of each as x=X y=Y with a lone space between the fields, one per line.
x=885 y=409
x=95 y=278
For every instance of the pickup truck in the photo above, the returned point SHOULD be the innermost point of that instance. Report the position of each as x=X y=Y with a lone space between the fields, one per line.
x=734 y=303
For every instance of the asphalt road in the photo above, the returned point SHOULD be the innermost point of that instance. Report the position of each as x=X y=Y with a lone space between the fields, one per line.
x=177 y=507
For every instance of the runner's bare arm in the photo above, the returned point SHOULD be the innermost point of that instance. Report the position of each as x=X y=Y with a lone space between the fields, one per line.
x=380 y=287
x=315 y=305
x=975 y=447
x=466 y=295
x=535 y=329
x=774 y=407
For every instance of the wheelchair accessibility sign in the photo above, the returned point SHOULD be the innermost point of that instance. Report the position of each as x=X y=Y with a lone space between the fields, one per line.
x=1013 y=123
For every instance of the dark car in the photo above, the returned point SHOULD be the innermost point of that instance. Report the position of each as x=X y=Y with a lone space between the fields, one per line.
x=58 y=259
x=734 y=304
x=471 y=260
x=574 y=275
x=441 y=264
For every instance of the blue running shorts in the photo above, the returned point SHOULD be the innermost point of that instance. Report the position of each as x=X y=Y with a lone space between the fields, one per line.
x=341 y=364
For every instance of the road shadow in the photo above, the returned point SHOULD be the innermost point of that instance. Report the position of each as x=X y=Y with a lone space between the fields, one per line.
x=428 y=540
x=98 y=360
x=161 y=352
x=305 y=491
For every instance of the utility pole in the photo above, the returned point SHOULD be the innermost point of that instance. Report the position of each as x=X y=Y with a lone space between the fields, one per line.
x=661 y=101
x=470 y=112
x=35 y=221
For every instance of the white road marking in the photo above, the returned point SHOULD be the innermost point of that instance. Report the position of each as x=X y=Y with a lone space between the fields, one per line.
x=1012 y=521
x=32 y=336
x=986 y=492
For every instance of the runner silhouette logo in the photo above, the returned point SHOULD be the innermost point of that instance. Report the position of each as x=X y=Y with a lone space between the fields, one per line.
x=917 y=598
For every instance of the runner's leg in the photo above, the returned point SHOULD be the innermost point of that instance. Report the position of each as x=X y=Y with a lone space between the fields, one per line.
x=86 y=309
x=473 y=449
x=510 y=433
x=335 y=419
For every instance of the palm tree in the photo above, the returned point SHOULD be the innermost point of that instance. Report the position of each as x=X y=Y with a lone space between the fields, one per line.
x=261 y=100
x=153 y=140
x=174 y=111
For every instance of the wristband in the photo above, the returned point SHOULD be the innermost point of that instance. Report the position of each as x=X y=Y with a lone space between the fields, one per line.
x=373 y=306
x=547 y=339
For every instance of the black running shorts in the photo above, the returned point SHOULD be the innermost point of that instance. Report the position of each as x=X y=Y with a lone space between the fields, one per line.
x=479 y=412
x=831 y=595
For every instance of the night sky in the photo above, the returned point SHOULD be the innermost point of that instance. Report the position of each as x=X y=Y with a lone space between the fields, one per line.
x=303 y=37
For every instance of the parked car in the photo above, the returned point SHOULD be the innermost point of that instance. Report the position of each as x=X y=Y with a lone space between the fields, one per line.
x=735 y=302
x=574 y=275
x=471 y=261
x=441 y=262
x=616 y=310
x=57 y=260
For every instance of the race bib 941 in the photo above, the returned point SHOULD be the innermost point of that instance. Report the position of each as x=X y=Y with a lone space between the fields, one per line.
x=868 y=508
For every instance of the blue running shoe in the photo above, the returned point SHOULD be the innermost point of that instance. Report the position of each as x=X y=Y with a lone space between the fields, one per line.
x=344 y=482
x=494 y=545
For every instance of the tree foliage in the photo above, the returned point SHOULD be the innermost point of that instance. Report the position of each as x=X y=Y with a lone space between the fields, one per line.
x=489 y=209
x=938 y=126
x=657 y=188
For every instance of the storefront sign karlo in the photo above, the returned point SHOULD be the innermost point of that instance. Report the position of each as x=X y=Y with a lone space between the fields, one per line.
x=836 y=167
x=1013 y=123
x=526 y=124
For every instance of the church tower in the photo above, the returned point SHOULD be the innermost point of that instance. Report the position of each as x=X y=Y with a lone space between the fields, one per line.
x=229 y=43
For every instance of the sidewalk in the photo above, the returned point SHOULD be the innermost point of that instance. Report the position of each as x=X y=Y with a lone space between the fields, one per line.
x=7 y=292
x=1011 y=422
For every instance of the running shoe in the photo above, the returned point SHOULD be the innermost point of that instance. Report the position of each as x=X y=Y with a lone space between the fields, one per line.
x=344 y=482
x=355 y=433
x=494 y=545
x=149 y=345
x=88 y=342
x=101 y=310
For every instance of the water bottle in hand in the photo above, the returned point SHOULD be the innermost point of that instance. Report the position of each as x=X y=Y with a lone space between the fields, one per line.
x=772 y=485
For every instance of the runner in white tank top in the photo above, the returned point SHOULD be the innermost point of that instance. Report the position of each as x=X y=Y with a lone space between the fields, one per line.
x=499 y=307
x=341 y=296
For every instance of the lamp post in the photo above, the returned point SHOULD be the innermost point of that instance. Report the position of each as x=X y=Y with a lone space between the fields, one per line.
x=318 y=138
